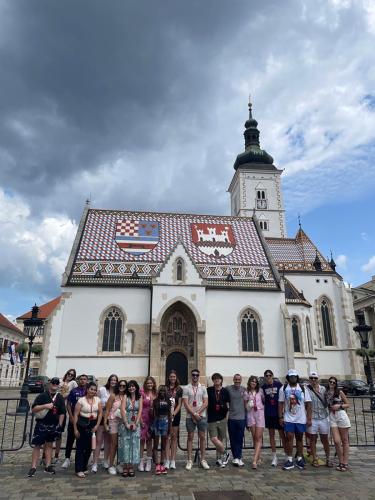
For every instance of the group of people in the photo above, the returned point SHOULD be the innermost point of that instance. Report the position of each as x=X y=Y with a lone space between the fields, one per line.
x=132 y=422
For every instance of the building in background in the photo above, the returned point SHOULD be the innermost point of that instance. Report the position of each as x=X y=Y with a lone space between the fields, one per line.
x=364 y=309
x=11 y=366
x=39 y=355
x=146 y=292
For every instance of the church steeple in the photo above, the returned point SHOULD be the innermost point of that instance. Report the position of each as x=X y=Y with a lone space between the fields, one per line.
x=253 y=153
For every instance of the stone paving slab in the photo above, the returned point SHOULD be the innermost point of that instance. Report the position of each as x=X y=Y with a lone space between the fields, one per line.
x=266 y=482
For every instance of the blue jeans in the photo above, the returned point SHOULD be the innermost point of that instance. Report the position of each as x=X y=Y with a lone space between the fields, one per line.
x=236 y=430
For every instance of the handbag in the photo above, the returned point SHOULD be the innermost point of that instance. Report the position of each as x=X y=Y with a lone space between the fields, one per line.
x=42 y=413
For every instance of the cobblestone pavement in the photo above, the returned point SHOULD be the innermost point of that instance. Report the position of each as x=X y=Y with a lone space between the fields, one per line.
x=265 y=482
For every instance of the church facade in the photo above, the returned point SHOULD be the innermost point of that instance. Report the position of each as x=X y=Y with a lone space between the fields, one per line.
x=146 y=292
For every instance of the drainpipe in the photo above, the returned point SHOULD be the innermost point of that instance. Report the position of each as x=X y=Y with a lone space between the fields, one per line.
x=149 y=334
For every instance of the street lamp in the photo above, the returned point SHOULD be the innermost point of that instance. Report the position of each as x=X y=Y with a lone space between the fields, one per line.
x=31 y=327
x=363 y=332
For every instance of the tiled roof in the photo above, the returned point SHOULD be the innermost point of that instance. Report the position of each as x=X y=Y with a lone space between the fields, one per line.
x=293 y=296
x=4 y=322
x=45 y=310
x=296 y=254
x=102 y=250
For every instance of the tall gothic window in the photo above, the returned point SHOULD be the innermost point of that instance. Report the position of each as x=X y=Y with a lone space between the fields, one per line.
x=296 y=337
x=309 y=338
x=112 y=333
x=179 y=270
x=250 y=332
x=325 y=312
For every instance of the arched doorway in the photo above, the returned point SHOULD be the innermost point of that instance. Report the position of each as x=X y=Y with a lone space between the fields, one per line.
x=177 y=361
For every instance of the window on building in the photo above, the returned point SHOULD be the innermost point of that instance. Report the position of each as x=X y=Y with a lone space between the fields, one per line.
x=309 y=338
x=112 y=330
x=250 y=332
x=327 y=324
x=261 y=194
x=180 y=270
x=296 y=335
x=264 y=225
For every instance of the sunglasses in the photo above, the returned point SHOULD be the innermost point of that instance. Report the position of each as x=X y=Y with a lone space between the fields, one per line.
x=269 y=375
x=313 y=378
x=195 y=374
x=131 y=387
x=332 y=382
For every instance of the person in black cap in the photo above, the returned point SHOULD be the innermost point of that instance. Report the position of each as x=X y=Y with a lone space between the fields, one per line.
x=49 y=411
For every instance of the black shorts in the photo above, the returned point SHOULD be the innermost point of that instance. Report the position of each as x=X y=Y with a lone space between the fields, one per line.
x=44 y=433
x=272 y=422
x=176 y=420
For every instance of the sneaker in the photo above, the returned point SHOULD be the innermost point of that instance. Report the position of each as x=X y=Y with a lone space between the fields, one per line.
x=235 y=462
x=50 y=470
x=288 y=464
x=66 y=463
x=31 y=472
x=148 y=465
x=225 y=458
x=55 y=461
x=163 y=470
x=300 y=463
x=172 y=464
x=219 y=462
x=94 y=468
x=112 y=470
x=166 y=464
x=240 y=462
x=274 y=461
x=158 y=469
x=205 y=465
x=105 y=464
x=141 y=465
x=189 y=465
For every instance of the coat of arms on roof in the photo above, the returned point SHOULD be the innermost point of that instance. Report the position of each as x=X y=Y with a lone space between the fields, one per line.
x=213 y=239
x=137 y=236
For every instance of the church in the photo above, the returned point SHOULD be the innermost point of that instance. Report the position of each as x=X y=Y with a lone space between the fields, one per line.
x=147 y=292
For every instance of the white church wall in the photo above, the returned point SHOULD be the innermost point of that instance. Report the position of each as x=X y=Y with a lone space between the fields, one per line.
x=76 y=328
x=168 y=275
x=164 y=296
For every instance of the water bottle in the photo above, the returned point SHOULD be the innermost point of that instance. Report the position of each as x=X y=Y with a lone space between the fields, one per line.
x=93 y=441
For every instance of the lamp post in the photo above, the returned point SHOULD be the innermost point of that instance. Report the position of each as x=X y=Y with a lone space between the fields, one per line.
x=363 y=332
x=31 y=328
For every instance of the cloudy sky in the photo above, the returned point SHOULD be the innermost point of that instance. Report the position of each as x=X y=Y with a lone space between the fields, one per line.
x=141 y=105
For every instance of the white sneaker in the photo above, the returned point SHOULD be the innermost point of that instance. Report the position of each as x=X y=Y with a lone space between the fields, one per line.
x=235 y=462
x=94 y=468
x=274 y=461
x=112 y=470
x=189 y=465
x=141 y=465
x=148 y=465
x=205 y=465
x=240 y=462
x=55 y=461
x=119 y=469
x=66 y=463
x=105 y=464
x=172 y=464
x=166 y=464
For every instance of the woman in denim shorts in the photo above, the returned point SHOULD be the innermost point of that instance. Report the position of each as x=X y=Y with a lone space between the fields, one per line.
x=339 y=422
x=161 y=426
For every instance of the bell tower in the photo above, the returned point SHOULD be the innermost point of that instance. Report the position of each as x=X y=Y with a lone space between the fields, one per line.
x=256 y=184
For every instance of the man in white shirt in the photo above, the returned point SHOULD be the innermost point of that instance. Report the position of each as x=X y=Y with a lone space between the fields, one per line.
x=294 y=413
x=195 y=400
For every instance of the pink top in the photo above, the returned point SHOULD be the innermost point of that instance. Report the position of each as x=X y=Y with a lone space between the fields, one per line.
x=254 y=401
x=147 y=415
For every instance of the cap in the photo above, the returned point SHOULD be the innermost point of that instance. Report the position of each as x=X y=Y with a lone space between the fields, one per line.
x=292 y=373
x=55 y=381
x=314 y=374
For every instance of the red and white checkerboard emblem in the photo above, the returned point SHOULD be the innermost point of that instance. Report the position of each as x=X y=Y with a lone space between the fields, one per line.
x=137 y=236
x=213 y=239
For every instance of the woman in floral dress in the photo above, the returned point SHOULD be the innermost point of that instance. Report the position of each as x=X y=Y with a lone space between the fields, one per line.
x=129 y=432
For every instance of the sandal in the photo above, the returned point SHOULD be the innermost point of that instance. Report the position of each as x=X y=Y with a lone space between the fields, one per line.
x=131 y=472
x=342 y=467
x=81 y=475
x=315 y=463
x=254 y=466
x=125 y=472
x=329 y=463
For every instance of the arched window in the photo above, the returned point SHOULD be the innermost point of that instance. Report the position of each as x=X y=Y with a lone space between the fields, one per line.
x=179 y=270
x=112 y=333
x=325 y=312
x=309 y=338
x=296 y=335
x=250 y=332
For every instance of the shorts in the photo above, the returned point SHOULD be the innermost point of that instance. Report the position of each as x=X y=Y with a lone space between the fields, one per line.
x=320 y=426
x=44 y=433
x=272 y=422
x=176 y=420
x=161 y=426
x=294 y=427
x=339 y=419
x=255 y=418
x=218 y=429
x=191 y=425
x=113 y=425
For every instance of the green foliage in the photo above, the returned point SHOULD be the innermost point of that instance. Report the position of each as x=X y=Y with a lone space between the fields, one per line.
x=22 y=347
x=362 y=352
x=37 y=349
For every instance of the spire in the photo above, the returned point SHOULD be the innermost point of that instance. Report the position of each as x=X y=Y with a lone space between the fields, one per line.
x=253 y=154
x=332 y=263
